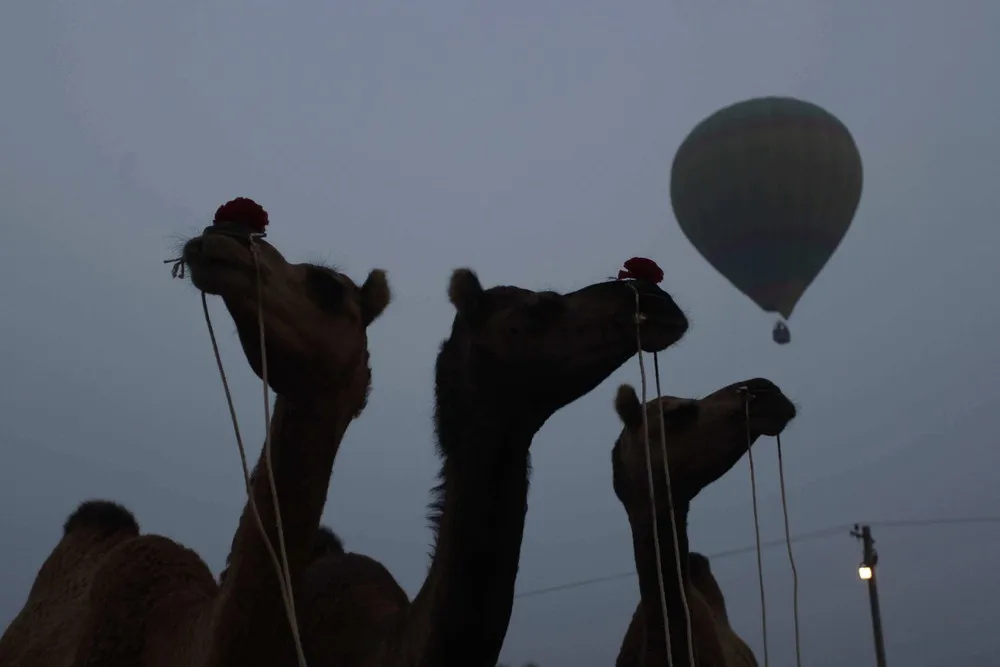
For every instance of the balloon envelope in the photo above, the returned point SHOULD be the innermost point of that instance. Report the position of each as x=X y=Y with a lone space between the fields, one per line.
x=765 y=190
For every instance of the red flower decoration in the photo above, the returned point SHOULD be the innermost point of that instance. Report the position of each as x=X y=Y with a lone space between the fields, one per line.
x=243 y=212
x=640 y=268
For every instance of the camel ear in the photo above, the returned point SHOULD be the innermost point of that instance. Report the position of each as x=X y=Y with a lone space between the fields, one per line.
x=628 y=407
x=375 y=296
x=466 y=293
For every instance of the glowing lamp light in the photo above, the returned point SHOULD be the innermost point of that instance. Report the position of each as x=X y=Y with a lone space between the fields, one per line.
x=864 y=572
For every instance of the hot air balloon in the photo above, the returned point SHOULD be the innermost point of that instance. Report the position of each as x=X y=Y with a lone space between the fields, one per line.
x=765 y=190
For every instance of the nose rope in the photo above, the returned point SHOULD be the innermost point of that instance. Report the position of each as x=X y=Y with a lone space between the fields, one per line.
x=788 y=536
x=649 y=476
x=177 y=270
x=280 y=565
x=756 y=519
x=670 y=502
x=791 y=557
x=639 y=319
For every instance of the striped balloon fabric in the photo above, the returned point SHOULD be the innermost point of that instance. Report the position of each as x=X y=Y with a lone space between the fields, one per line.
x=765 y=190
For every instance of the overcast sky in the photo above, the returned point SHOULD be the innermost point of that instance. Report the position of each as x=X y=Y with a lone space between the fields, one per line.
x=531 y=141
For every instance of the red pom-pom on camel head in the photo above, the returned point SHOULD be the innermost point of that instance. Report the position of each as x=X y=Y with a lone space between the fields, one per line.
x=641 y=268
x=242 y=212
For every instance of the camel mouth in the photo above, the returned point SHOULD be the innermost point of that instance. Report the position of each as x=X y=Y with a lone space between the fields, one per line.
x=214 y=259
x=659 y=335
x=770 y=412
x=663 y=322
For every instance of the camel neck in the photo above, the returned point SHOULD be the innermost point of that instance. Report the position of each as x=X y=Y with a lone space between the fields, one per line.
x=644 y=548
x=461 y=614
x=305 y=438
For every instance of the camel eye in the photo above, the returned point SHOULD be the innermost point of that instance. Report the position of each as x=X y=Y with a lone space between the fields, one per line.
x=326 y=288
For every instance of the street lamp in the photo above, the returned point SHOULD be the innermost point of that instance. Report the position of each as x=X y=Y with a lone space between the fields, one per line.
x=866 y=571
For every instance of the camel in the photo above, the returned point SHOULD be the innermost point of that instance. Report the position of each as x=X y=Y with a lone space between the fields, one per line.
x=108 y=595
x=705 y=439
x=513 y=359
x=47 y=629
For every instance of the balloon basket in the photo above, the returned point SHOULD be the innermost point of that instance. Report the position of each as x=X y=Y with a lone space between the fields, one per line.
x=781 y=334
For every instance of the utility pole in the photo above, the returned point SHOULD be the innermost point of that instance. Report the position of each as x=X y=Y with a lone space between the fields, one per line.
x=867 y=572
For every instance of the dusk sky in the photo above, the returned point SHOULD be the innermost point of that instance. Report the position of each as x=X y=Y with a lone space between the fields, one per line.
x=532 y=142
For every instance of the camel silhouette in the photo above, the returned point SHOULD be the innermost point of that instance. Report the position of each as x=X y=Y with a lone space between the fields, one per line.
x=108 y=595
x=513 y=359
x=705 y=439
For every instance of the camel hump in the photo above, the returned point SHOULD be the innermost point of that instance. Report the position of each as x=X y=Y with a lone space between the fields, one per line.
x=328 y=543
x=101 y=515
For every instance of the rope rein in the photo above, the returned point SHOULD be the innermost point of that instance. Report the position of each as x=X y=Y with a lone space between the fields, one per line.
x=280 y=565
x=285 y=572
x=652 y=493
x=788 y=538
x=791 y=557
x=756 y=522
x=673 y=516
x=639 y=318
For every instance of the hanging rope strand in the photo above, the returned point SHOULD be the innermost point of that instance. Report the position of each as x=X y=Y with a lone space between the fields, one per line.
x=235 y=218
x=286 y=577
x=285 y=572
x=280 y=564
x=791 y=557
x=756 y=524
x=649 y=478
x=286 y=601
x=673 y=516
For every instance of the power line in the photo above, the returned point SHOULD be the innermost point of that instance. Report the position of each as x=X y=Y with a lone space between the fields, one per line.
x=907 y=523
x=802 y=537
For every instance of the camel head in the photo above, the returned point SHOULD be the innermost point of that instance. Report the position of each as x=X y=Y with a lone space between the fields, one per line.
x=705 y=437
x=528 y=353
x=315 y=318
